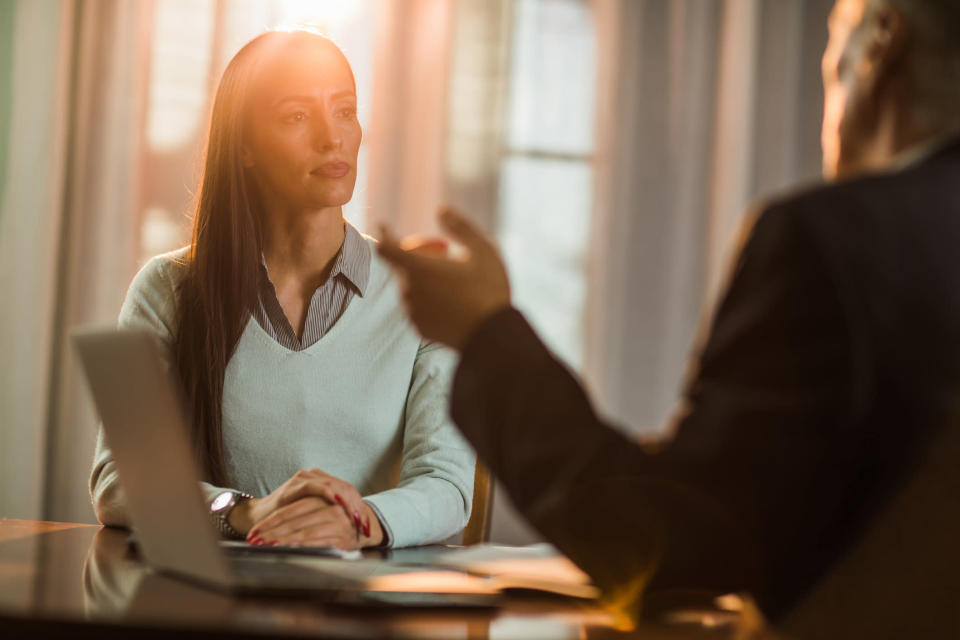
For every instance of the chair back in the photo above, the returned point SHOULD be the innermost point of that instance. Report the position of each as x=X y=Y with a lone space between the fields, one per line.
x=478 y=527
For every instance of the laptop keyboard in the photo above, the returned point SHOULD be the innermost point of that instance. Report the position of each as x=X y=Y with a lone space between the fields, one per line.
x=274 y=575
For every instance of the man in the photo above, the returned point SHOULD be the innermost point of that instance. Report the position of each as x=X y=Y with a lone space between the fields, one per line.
x=832 y=362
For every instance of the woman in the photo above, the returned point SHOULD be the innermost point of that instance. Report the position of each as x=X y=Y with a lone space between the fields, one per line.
x=307 y=387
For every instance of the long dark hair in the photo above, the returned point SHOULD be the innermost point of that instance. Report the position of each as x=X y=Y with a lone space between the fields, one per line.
x=219 y=288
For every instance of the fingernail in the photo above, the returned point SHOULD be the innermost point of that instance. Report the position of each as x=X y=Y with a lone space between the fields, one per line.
x=339 y=500
x=272 y=543
x=253 y=534
x=258 y=542
x=366 y=528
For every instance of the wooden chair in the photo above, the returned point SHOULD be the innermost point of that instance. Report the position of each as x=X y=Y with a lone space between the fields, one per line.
x=478 y=527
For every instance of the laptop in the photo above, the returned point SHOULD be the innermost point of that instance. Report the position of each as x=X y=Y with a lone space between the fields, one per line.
x=145 y=425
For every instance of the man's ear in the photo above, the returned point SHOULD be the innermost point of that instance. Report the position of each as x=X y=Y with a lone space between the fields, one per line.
x=246 y=157
x=885 y=46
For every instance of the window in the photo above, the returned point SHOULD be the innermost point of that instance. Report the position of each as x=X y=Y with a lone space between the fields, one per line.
x=546 y=172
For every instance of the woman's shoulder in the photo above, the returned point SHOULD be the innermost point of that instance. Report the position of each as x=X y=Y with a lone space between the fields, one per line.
x=152 y=293
x=161 y=273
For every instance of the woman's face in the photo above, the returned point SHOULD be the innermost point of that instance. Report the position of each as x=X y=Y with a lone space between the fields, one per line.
x=302 y=132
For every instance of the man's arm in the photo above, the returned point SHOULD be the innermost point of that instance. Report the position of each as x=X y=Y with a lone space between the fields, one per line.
x=742 y=495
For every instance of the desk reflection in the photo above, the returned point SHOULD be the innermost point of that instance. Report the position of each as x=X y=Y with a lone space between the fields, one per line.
x=46 y=567
x=118 y=587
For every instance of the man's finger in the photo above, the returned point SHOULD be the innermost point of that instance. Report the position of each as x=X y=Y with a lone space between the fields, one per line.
x=389 y=248
x=413 y=260
x=465 y=231
x=436 y=247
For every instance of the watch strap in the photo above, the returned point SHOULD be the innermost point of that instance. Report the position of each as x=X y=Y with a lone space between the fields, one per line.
x=221 y=517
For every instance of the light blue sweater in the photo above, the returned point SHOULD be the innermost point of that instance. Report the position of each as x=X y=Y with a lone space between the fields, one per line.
x=366 y=403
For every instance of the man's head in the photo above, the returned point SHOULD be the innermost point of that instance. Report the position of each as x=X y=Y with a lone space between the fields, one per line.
x=891 y=75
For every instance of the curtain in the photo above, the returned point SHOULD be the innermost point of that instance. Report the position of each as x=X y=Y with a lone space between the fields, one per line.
x=408 y=116
x=705 y=107
x=701 y=107
x=98 y=254
x=30 y=232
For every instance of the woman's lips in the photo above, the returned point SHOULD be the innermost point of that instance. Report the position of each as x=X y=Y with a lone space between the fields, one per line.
x=332 y=170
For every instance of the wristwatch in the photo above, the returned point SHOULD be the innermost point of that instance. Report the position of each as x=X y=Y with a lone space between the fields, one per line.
x=220 y=509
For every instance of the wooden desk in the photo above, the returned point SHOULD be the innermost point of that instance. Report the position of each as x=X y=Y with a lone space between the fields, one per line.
x=81 y=580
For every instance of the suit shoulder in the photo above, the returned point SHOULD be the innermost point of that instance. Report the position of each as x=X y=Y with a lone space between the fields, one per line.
x=871 y=194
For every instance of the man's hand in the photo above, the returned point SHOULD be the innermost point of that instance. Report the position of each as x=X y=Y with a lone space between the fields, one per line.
x=312 y=487
x=447 y=299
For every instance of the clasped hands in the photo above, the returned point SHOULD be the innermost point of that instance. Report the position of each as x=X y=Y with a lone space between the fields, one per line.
x=313 y=508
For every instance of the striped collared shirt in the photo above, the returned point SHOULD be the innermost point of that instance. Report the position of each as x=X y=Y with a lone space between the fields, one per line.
x=349 y=277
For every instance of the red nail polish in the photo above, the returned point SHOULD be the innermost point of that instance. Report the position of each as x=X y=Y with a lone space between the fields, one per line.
x=366 y=528
x=258 y=542
x=253 y=534
x=339 y=500
x=272 y=543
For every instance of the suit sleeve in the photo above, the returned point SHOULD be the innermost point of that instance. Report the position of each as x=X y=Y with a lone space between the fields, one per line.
x=749 y=472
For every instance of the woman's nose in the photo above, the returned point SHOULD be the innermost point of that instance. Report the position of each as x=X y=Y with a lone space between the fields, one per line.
x=326 y=135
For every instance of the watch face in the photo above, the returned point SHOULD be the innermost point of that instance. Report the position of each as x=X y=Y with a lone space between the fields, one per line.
x=221 y=501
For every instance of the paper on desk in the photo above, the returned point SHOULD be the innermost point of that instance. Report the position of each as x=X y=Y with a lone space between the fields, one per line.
x=535 y=561
x=493 y=567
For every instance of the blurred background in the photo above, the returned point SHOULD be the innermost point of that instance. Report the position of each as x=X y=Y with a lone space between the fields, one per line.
x=611 y=147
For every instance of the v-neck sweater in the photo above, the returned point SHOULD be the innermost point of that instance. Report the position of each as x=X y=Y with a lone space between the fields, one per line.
x=367 y=402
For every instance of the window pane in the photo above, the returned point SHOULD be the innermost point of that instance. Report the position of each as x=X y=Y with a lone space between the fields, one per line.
x=553 y=77
x=544 y=226
x=179 y=72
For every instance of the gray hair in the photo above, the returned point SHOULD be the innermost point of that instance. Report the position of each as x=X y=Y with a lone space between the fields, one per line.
x=932 y=58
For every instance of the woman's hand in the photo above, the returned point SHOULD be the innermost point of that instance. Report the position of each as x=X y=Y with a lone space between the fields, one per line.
x=309 y=491
x=312 y=522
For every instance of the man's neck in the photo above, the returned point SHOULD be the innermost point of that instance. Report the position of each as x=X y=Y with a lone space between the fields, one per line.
x=899 y=141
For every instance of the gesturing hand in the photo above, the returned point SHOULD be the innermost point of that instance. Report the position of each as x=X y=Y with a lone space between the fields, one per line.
x=311 y=508
x=447 y=298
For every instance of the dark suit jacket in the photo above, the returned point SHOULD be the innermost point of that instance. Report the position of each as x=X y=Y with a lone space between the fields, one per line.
x=832 y=359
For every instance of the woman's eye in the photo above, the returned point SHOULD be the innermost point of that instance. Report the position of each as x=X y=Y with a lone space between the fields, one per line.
x=296 y=116
x=349 y=112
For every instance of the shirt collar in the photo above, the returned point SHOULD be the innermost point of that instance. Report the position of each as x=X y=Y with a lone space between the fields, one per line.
x=352 y=262
x=924 y=150
x=354 y=259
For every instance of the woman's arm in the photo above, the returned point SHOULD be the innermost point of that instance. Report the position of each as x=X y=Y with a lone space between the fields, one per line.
x=432 y=500
x=150 y=304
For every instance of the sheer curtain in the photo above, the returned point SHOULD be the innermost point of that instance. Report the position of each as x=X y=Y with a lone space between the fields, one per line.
x=618 y=240
x=39 y=69
x=706 y=106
